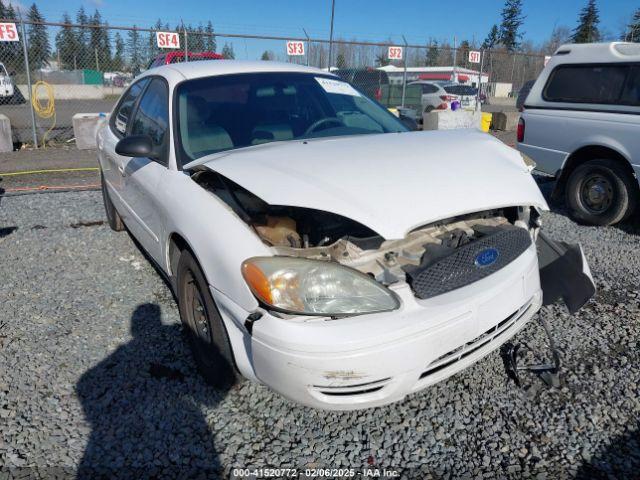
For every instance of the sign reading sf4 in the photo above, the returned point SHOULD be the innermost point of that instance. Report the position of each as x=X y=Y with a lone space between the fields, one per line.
x=168 y=39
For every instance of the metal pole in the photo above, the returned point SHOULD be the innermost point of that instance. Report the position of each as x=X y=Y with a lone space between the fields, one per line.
x=97 y=64
x=333 y=8
x=186 y=43
x=26 y=66
x=479 y=79
x=404 y=73
x=308 y=51
x=455 y=58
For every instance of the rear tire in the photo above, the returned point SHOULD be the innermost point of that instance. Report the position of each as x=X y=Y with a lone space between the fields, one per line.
x=113 y=217
x=208 y=336
x=601 y=192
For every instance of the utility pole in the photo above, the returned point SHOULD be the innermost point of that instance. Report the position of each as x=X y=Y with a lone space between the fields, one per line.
x=25 y=52
x=333 y=9
x=455 y=59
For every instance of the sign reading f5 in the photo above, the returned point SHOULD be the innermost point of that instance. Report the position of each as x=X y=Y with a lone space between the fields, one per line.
x=168 y=39
x=8 y=32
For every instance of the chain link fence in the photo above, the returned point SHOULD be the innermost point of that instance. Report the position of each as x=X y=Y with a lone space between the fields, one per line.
x=56 y=70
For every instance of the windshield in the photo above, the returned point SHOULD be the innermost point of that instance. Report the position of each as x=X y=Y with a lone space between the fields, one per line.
x=233 y=111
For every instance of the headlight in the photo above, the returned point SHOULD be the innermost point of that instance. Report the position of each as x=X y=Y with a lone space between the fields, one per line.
x=311 y=287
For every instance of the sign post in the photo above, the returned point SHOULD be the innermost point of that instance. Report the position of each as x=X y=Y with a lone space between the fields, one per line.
x=479 y=79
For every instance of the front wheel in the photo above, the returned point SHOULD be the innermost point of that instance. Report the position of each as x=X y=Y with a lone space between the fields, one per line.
x=600 y=192
x=207 y=334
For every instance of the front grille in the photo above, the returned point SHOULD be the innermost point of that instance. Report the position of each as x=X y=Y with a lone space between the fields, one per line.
x=459 y=269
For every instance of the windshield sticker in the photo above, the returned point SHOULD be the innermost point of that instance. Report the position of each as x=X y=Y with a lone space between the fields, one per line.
x=337 y=86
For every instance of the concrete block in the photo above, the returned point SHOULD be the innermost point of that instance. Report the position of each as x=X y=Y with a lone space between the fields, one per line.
x=6 y=140
x=507 y=121
x=84 y=129
x=449 y=119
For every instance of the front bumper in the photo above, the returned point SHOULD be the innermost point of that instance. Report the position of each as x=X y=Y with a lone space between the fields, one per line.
x=373 y=360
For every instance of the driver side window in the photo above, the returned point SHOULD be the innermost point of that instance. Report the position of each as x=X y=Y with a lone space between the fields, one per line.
x=152 y=116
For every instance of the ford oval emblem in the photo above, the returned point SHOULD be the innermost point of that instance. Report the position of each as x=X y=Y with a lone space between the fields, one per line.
x=486 y=257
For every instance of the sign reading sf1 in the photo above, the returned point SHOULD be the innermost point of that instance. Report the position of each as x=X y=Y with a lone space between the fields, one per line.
x=168 y=39
x=8 y=32
x=295 y=48
x=395 y=53
x=474 y=56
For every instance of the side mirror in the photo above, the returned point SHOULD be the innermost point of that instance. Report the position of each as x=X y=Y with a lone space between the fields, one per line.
x=135 y=146
x=409 y=122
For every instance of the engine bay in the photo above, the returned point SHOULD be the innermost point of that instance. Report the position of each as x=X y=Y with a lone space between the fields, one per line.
x=321 y=235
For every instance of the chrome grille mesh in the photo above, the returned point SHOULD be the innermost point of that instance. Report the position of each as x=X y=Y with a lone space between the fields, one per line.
x=459 y=269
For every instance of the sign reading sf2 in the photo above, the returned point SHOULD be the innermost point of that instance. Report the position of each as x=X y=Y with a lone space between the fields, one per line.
x=8 y=32
x=295 y=48
x=395 y=53
x=168 y=39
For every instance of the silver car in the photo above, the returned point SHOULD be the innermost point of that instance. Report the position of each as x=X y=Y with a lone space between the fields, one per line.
x=581 y=123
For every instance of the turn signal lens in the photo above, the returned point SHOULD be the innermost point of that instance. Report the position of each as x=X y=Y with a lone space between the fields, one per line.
x=312 y=287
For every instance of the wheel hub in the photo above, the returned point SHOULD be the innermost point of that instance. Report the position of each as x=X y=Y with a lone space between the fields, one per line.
x=597 y=193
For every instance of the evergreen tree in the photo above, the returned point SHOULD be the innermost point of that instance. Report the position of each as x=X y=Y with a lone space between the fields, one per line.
x=432 y=55
x=134 y=50
x=84 y=54
x=99 y=44
x=633 y=29
x=340 y=61
x=117 y=63
x=382 y=59
x=227 y=51
x=463 y=54
x=266 y=56
x=210 y=40
x=492 y=38
x=587 y=29
x=67 y=44
x=38 y=39
x=512 y=20
x=152 y=45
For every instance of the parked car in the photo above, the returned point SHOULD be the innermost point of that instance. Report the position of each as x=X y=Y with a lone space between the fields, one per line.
x=581 y=122
x=368 y=80
x=467 y=94
x=178 y=57
x=6 y=84
x=434 y=96
x=305 y=253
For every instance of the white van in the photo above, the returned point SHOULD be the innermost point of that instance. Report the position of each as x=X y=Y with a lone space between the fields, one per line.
x=581 y=123
x=6 y=84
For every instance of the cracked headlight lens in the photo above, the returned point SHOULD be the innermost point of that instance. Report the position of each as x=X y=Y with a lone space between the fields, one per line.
x=312 y=287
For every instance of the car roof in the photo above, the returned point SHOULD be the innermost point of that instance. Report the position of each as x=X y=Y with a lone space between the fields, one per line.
x=597 y=52
x=207 y=68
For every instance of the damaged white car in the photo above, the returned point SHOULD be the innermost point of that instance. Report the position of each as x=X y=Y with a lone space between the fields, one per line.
x=317 y=246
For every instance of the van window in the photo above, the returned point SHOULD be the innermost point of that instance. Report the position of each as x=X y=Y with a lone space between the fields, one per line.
x=600 y=84
x=631 y=91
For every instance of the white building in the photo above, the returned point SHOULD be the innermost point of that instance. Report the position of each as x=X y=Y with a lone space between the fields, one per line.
x=461 y=75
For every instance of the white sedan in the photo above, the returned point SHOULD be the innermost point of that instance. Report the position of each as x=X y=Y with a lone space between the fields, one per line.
x=317 y=246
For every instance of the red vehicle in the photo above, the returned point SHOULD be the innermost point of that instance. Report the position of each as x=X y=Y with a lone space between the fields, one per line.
x=178 y=57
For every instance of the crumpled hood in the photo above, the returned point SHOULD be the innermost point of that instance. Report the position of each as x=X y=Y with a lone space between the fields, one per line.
x=392 y=183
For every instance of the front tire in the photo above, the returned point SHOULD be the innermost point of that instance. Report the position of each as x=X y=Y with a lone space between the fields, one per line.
x=600 y=192
x=113 y=217
x=207 y=334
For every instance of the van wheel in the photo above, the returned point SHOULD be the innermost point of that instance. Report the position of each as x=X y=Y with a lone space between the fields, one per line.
x=600 y=192
x=207 y=334
x=113 y=217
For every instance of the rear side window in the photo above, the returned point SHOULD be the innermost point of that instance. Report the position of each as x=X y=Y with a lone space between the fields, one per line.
x=631 y=91
x=429 y=89
x=121 y=117
x=599 y=84
x=152 y=116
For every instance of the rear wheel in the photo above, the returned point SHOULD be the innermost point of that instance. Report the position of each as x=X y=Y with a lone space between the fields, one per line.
x=207 y=334
x=113 y=217
x=600 y=192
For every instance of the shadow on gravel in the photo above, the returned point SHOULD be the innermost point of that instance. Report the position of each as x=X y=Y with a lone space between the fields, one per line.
x=142 y=402
x=621 y=459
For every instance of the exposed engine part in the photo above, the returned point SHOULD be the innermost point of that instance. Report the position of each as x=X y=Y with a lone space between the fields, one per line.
x=321 y=235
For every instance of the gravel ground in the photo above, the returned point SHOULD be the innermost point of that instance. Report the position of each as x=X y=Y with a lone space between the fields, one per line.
x=95 y=374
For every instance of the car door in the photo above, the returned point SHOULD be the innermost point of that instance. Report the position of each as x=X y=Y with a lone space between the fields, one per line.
x=111 y=163
x=143 y=175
